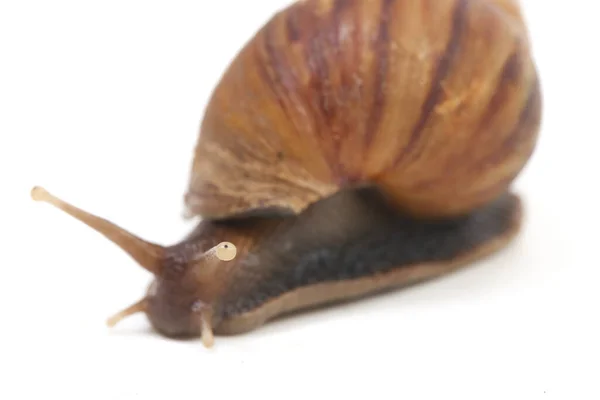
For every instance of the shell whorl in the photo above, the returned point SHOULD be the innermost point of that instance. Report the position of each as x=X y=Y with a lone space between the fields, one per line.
x=435 y=101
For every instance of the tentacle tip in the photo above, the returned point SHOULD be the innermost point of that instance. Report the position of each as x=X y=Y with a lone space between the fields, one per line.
x=226 y=251
x=38 y=193
x=111 y=322
x=208 y=342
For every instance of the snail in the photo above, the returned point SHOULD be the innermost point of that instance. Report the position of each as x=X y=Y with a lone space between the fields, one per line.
x=350 y=148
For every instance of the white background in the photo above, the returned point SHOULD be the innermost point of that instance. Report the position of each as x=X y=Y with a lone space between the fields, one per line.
x=100 y=102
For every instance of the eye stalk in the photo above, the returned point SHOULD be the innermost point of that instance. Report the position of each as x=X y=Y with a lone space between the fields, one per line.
x=206 y=266
x=150 y=256
x=208 y=263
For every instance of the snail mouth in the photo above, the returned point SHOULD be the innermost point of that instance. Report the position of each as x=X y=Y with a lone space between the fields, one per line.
x=148 y=255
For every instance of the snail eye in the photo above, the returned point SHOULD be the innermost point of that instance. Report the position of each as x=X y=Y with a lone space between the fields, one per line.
x=226 y=251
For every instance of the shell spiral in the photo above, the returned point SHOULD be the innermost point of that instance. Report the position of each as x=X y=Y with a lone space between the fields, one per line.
x=437 y=102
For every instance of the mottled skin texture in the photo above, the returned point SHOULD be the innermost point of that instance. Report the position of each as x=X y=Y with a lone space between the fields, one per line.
x=436 y=101
x=351 y=244
x=344 y=239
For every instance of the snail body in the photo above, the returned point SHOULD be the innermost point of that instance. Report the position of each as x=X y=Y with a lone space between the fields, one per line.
x=350 y=147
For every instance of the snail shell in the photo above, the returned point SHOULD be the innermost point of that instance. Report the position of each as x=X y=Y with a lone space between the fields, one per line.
x=436 y=103
x=350 y=147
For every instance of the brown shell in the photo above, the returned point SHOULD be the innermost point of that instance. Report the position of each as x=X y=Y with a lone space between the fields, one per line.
x=435 y=101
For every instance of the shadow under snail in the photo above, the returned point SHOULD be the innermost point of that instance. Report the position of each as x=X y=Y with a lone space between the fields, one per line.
x=350 y=147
